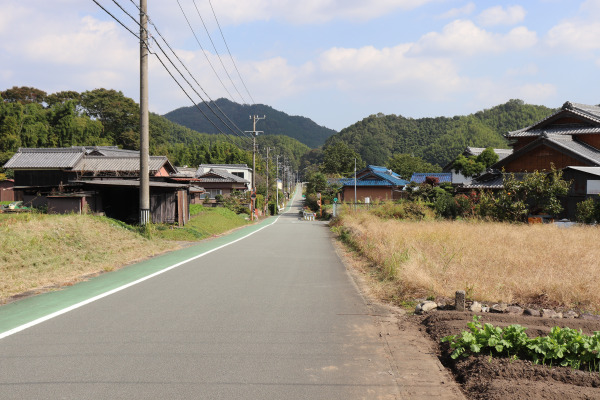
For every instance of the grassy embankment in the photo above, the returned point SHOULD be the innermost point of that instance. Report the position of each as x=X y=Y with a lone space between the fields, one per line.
x=39 y=252
x=493 y=262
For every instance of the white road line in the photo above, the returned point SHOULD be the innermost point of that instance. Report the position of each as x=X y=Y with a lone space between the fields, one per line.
x=113 y=291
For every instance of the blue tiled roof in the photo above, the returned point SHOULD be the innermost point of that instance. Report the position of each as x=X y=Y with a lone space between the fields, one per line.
x=366 y=182
x=419 y=177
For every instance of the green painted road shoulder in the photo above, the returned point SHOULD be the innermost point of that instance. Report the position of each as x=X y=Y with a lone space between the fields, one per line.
x=29 y=311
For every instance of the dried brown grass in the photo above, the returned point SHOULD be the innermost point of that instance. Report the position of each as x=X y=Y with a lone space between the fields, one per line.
x=42 y=251
x=492 y=261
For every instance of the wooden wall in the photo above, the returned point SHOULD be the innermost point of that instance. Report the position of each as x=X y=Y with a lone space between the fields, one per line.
x=540 y=159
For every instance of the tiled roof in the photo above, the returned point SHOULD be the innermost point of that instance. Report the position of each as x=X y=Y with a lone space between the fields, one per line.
x=591 y=113
x=419 y=177
x=475 y=151
x=565 y=130
x=121 y=164
x=32 y=158
x=578 y=148
x=129 y=183
x=112 y=151
x=220 y=175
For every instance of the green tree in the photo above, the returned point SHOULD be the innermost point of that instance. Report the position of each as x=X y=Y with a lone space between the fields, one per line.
x=339 y=158
x=405 y=165
x=23 y=95
x=474 y=165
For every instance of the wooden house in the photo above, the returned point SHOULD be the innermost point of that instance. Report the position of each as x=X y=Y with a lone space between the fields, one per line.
x=569 y=137
x=99 y=180
x=373 y=183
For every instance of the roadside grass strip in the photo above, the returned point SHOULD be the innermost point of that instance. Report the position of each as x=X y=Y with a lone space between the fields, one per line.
x=22 y=314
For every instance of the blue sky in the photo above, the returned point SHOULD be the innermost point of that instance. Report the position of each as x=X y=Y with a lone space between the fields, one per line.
x=334 y=61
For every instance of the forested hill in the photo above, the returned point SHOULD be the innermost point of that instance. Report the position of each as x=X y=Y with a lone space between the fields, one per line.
x=437 y=140
x=30 y=117
x=277 y=122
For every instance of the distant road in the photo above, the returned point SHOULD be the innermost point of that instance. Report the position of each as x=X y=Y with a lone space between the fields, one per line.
x=272 y=316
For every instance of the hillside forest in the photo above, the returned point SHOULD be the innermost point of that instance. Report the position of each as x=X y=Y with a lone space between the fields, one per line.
x=30 y=117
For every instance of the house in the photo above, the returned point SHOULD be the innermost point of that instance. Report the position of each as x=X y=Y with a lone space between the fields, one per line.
x=373 y=183
x=102 y=179
x=585 y=183
x=442 y=177
x=568 y=137
x=217 y=181
x=239 y=170
x=6 y=190
x=460 y=179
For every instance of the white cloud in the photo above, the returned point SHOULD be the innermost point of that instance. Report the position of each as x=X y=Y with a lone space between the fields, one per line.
x=500 y=16
x=458 y=12
x=530 y=69
x=463 y=37
x=310 y=11
x=388 y=70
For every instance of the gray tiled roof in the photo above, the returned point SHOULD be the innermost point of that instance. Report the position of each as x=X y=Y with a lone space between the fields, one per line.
x=475 y=151
x=122 y=164
x=45 y=158
x=581 y=149
x=220 y=175
x=591 y=113
x=566 y=130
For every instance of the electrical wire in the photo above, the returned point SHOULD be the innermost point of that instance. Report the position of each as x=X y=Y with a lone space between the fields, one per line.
x=229 y=51
x=217 y=52
x=188 y=71
x=167 y=69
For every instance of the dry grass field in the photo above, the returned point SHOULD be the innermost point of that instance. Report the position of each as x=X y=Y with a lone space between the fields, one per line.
x=38 y=251
x=493 y=262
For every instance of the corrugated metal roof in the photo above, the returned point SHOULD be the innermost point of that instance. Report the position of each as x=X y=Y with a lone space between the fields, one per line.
x=419 y=177
x=123 y=164
x=45 y=158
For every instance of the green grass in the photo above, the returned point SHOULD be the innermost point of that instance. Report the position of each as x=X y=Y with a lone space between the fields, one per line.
x=205 y=222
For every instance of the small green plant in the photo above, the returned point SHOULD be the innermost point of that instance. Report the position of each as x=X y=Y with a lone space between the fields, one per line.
x=563 y=346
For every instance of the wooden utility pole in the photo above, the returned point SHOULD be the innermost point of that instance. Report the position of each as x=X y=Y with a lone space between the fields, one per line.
x=144 y=118
x=255 y=133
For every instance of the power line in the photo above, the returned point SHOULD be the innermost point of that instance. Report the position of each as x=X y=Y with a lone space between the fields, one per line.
x=217 y=53
x=229 y=51
x=169 y=72
x=203 y=51
x=195 y=80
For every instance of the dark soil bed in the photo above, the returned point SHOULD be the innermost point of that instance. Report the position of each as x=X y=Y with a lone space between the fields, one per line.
x=483 y=377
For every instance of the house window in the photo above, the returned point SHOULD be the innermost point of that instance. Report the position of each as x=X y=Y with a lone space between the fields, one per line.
x=238 y=174
x=211 y=193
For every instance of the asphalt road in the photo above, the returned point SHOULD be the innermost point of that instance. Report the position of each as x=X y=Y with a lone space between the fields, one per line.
x=272 y=316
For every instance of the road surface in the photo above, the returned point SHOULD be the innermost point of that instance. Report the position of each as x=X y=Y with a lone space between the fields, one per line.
x=272 y=316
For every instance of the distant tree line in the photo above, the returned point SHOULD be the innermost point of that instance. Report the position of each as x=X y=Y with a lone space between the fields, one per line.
x=30 y=117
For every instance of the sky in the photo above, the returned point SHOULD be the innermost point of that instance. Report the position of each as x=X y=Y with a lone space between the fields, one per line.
x=333 y=61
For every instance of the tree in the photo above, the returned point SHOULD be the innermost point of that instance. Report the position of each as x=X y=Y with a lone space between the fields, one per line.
x=406 y=165
x=339 y=158
x=536 y=193
x=474 y=165
x=23 y=95
x=119 y=114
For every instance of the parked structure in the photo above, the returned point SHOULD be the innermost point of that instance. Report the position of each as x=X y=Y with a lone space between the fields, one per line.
x=97 y=179
x=373 y=182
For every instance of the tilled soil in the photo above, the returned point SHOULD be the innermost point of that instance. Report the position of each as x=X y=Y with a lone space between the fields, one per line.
x=484 y=377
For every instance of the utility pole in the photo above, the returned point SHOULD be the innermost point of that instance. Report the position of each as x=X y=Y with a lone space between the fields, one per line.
x=144 y=118
x=255 y=133
x=277 y=185
x=267 y=201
